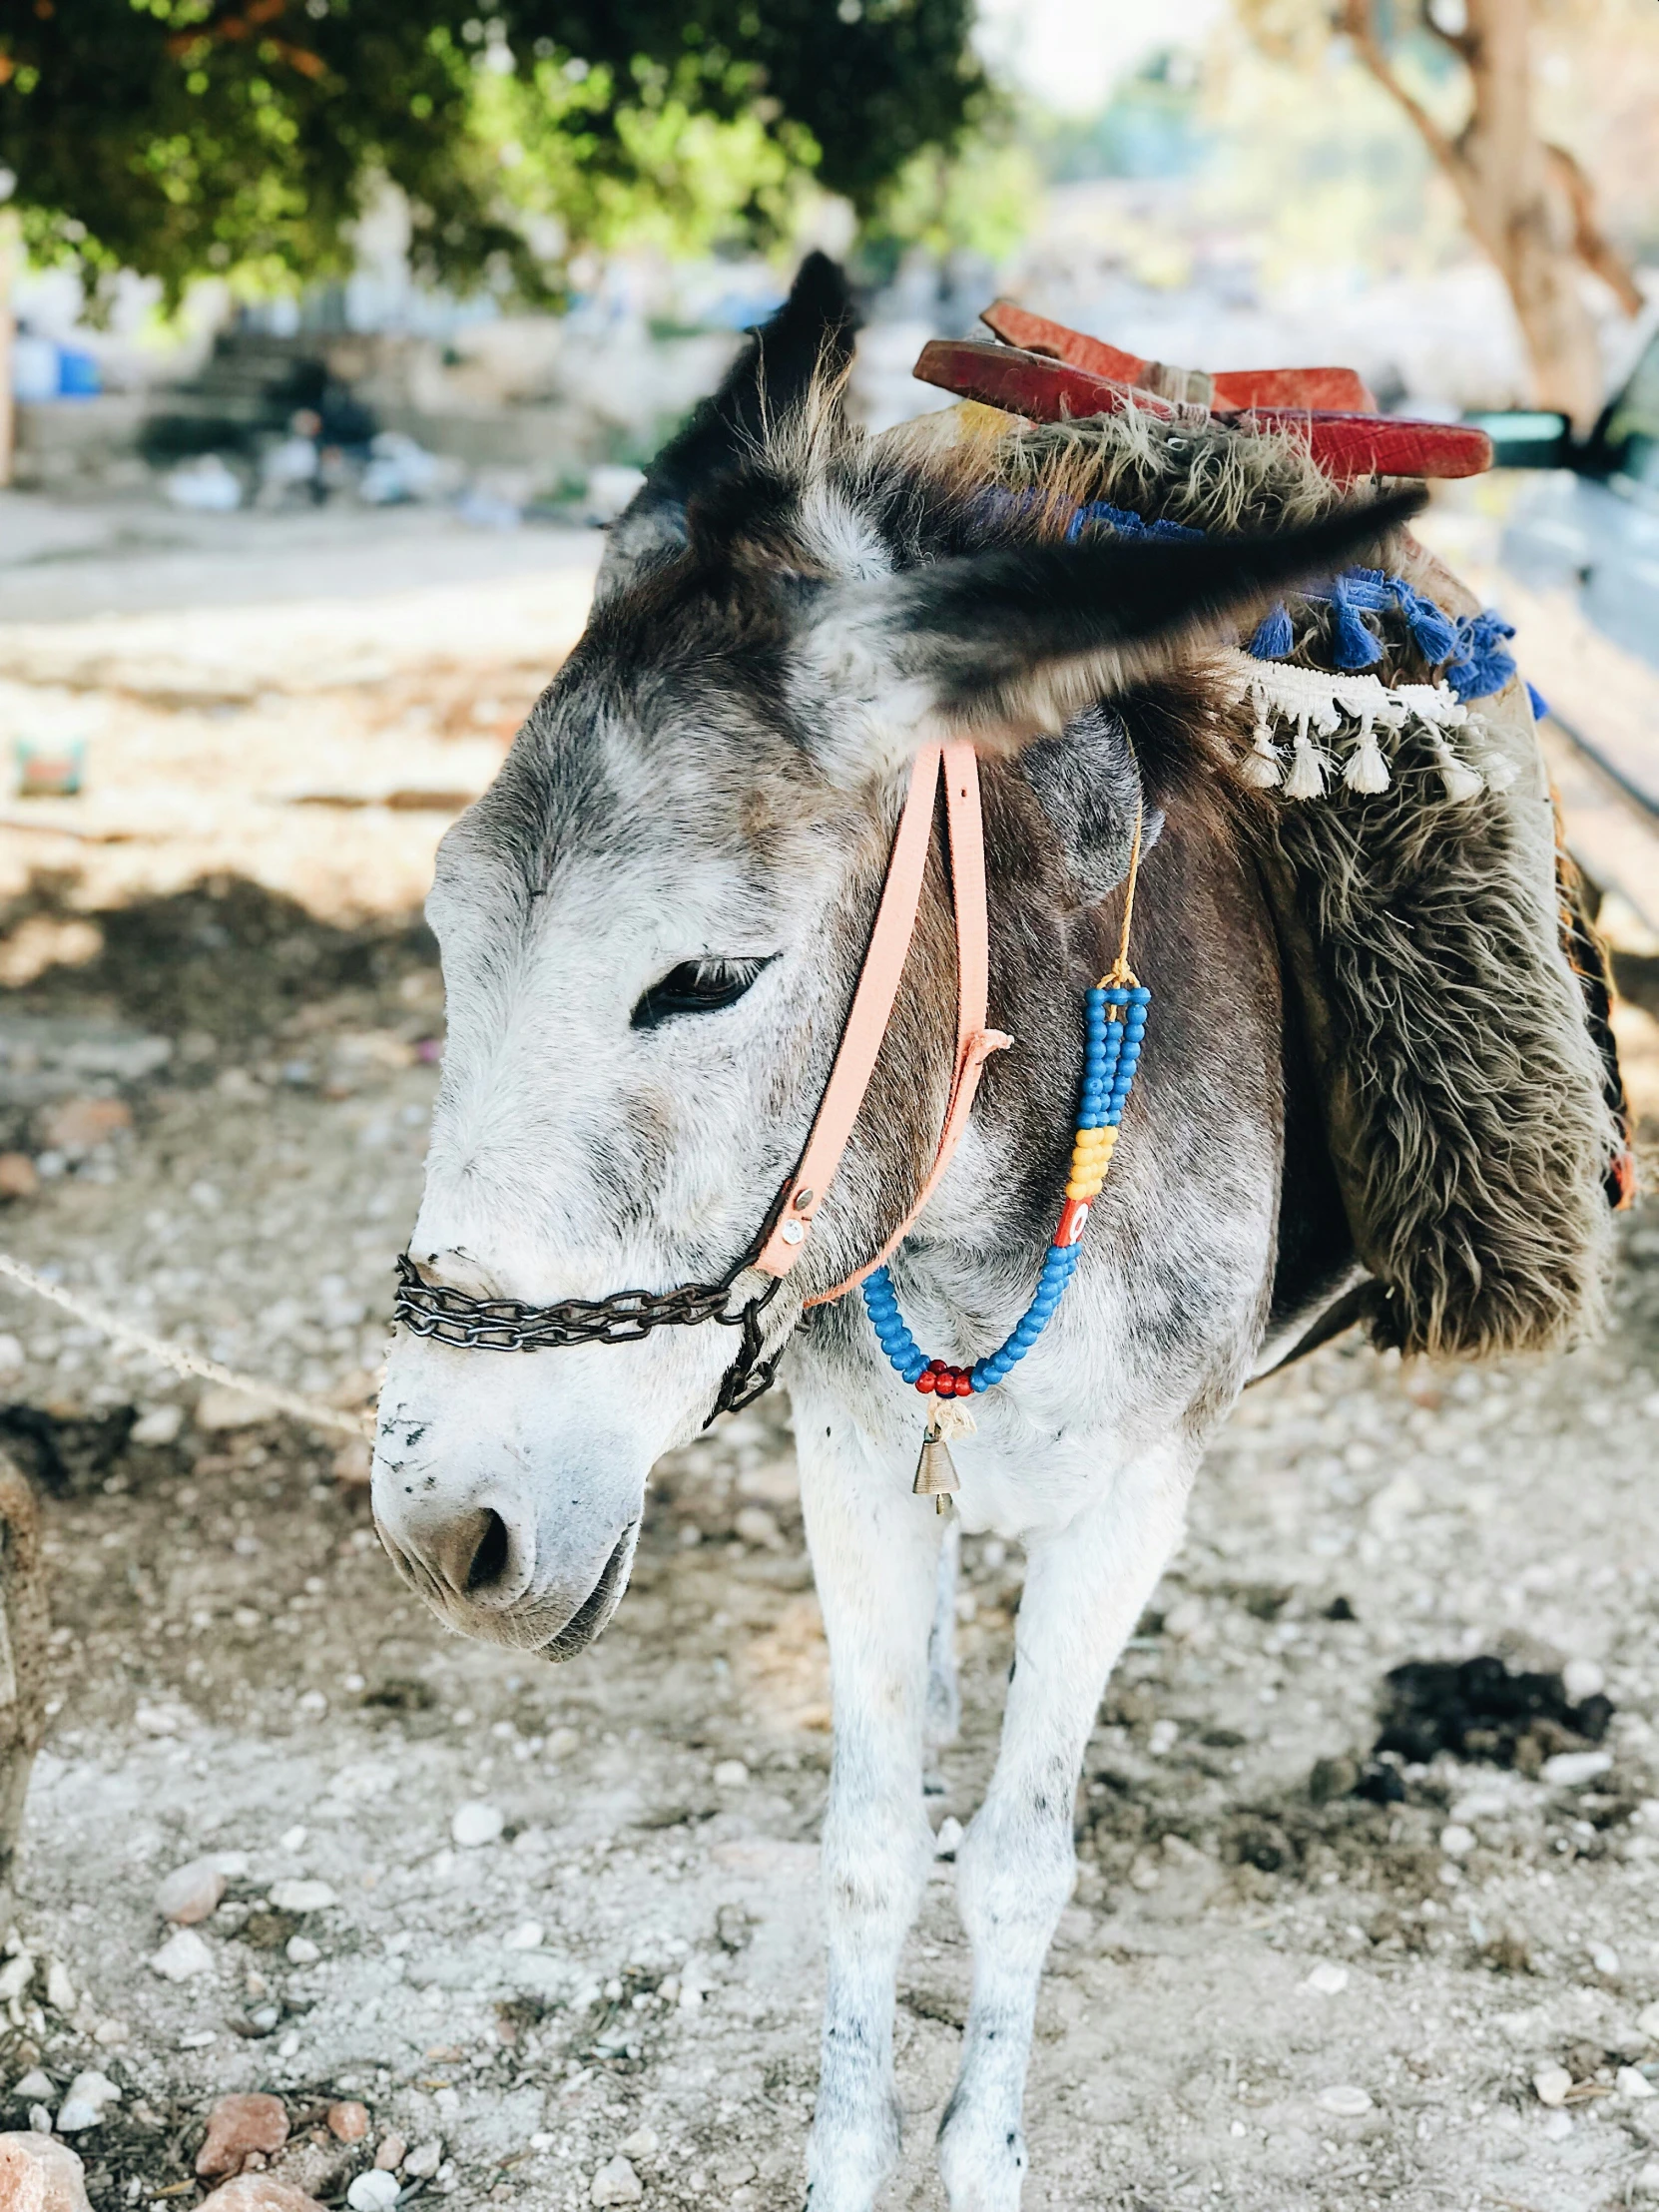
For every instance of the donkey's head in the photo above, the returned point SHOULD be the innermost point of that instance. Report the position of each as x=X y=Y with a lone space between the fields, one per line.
x=652 y=921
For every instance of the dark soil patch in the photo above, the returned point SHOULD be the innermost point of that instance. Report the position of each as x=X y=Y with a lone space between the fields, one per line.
x=1478 y=1709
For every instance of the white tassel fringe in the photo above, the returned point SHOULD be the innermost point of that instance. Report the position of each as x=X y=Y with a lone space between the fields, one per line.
x=1309 y=700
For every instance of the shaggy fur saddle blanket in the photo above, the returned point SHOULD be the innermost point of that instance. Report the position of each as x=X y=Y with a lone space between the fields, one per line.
x=1381 y=755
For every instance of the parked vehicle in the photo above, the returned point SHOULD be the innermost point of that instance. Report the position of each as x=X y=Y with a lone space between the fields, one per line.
x=1593 y=518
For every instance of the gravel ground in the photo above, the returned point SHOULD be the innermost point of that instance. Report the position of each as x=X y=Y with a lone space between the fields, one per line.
x=1267 y=1994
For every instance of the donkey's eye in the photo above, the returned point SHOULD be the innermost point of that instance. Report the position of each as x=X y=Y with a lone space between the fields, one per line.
x=696 y=987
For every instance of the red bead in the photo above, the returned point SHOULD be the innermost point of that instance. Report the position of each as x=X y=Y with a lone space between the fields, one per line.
x=927 y=1380
x=937 y=1367
x=1074 y=1219
x=962 y=1384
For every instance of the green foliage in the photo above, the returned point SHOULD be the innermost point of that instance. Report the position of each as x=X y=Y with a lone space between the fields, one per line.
x=979 y=201
x=183 y=137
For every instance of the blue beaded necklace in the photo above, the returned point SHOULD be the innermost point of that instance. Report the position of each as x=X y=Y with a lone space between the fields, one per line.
x=1115 y=1019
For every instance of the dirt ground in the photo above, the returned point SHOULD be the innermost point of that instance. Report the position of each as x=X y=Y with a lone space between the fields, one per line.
x=1267 y=1993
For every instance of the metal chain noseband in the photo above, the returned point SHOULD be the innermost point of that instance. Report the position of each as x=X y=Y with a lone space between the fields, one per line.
x=453 y=1317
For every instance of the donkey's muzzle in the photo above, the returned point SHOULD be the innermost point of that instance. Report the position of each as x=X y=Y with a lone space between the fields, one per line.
x=478 y=1569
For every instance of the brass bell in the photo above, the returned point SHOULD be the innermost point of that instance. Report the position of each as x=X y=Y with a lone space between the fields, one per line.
x=935 y=1473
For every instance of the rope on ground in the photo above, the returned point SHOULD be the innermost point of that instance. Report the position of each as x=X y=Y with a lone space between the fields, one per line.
x=185 y=1362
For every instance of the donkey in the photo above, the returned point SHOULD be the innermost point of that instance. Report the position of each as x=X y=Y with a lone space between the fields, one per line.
x=650 y=925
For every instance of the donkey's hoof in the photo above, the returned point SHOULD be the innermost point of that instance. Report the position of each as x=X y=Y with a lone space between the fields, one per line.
x=982 y=2163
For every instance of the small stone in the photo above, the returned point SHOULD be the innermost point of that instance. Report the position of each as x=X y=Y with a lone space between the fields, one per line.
x=84 y=2102
x=424 y=2160
x=1631 y=2082
x=40 y=2120
x=1570 y=1770
x=1557 y=2127
x=1604 y=1958
x=1647 y=2181
x=17 y=1175
x=257 y=2193
x=1163 y=1738
x=191 y=1893
x=348 y=2121
x=1345 y=2099
x=15 y=1975
x=301 y=1951
x=237 y=2126
x=160 y=1426
x=60 y=1991
x=39 y=2175
x=81 y=1124
x=1552 y=2084
x=1327 y=1979
x=374 y=2191
x=526 y=1936
x=475 y=1824
x=616 y=2183
x=1582 y=1678
x=1330 y=1779
x=641 y=2144
x=292 y=1839
x=1647 y=2020
x=109 y=2032
x=1457 y=1840
x=289 y=2047
x=182 y=1956
x=729 y=1773
x=302 y=1897
x=562 y=1743
x=219 y=1408
x=392 y=2153
x=34 y=2087
x=949 y=1840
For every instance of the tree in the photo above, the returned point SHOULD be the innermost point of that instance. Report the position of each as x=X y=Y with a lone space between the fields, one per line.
x=1528 y=204
x=180 y=137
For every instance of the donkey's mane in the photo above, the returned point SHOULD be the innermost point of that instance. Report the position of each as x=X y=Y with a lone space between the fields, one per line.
x=968 y=477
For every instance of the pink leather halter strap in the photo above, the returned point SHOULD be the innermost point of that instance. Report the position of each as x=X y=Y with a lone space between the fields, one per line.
x=873 y=1003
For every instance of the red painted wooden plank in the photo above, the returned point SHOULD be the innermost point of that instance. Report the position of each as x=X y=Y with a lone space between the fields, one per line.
x=1342 y=390
x=1333 y=391
x=1350 y=445
x=1344 y=445
x=1036 y=335
x=1033 y=384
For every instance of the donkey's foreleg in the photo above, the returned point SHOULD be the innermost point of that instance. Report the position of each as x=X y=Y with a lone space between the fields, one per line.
x=874 y=1553
x=1085 y=1587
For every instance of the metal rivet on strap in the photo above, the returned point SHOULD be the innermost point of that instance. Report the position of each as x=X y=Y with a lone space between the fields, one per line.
x=804 y=1199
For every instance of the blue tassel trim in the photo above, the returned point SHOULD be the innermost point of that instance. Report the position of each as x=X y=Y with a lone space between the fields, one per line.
x=1352 y=644
x=1481 y=665
x=1540 y=704
x=1469 y=652
x=1433 y=630
x=1275 y=636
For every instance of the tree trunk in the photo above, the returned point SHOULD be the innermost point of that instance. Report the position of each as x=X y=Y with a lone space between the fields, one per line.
x=1503 y=177
x=22 y=1662
x=1527 y=204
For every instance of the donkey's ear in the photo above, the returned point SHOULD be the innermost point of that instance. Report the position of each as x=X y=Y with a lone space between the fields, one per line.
x=811 y=335
x=1012 y=643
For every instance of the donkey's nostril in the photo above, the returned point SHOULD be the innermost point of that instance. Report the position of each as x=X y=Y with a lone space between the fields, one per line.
x=478 y=1556
x=489 y=1561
